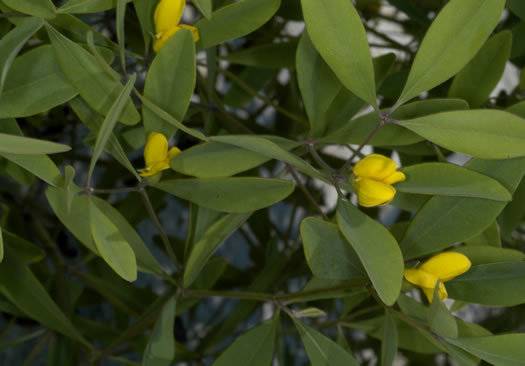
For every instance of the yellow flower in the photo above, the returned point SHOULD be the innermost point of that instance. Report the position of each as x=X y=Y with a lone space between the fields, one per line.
x=373 y=179
x=156 y=154
x=442 y=267
x=167 y=17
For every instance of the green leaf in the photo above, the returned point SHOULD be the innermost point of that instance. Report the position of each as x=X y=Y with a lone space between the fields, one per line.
x=310 y=312
x=327 y=252
x=35 y=84
x=357 y=130
x=93 y=121
x=209 y=243
x=13 y=144
x=490 y=236
x=235 y=195
x=479 y=77
x=338 y=34
x=451 y=180
x=377 y=249
x=121 y=36
x=161 y=113
x=254 y=348
x=321 y=350
x=443 y=221
x=517 y=7
x=146 y=262
x=12 y=43
x=234 y=21
x=455 y=36
x=111 y=244
x=318 y=84
x=486 y=134
x=485 y=254
x=440 y=319
x=145 y=10
x=1 y=246
x=27 y=293
x=82 y=69
x=389 y=341
x=513 y=213
x=499 y=350
x=204 y=6
x=216 y=159
x=40 y=165
x=268 y=148
x=114 y=114
x=170 y=82
x=160 y=350
x=27 y=252
x=38 y=8
x=268 y=56
x=497 y=284
x=87 y=6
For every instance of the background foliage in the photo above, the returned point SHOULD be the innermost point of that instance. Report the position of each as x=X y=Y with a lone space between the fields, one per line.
x=251 y=250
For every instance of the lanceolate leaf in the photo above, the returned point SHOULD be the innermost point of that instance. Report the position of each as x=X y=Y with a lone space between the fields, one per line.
x=235 y=195
x=111 y=244
x=476 y=80
x=37 y=8
x=338 y=34
x=204 y=6
x=443 y=221
x=451 y=180
x=35 y=84
x=161 y=346
x=254 y=348
x=27 y=293
x=14 y=144
x=98 y=88
x=12 y=42
x=486 y=134
x=209 y=243
x=500 y=350
x=321 y=350
x=377 y=249
x=454 y=37
x=170 y=82
x=109 y=122
x=235 y=20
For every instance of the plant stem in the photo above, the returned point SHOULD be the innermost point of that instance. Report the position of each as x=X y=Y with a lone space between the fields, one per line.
x=305 y=191
x=164 y=238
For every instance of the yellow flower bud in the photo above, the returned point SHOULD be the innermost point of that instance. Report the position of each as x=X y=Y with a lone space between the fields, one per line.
x=442 y=267
x=156 y=154
x=167 y=17
x=373 y=179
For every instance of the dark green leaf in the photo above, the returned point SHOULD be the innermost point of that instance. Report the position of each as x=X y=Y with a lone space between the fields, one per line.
x=37 y=8
x=160 y=350
x=440 y=319
x=268 y=56
x=327 y=252
x=389 y=341
x=499 y=350
x=455 y=36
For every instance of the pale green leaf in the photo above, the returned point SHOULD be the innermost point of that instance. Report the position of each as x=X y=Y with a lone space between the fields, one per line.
x=38 y=8
x=499 y=350
x=13 y=144
x=205 y=7
x=440 y=319
x=377 y=249
x=389 y=341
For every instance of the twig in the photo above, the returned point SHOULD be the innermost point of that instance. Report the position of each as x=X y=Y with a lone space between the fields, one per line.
x=305 y=191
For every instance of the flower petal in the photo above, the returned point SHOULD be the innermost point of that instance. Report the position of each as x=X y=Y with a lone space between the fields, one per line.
x=193 y=30
x=372 y=193
x=375 y=166
x=395 y=178
x=156 y=149
x=442 y=292
x=421 y=278
x=447 y=265
x=172 y=152
x=162 y=38
x=168 y=14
